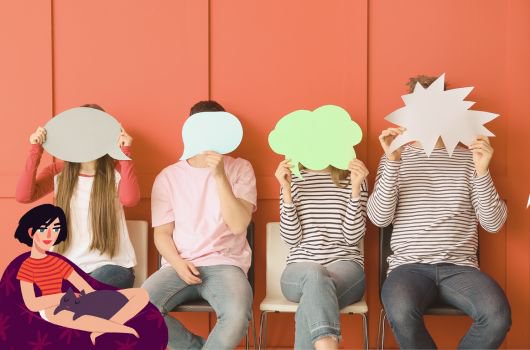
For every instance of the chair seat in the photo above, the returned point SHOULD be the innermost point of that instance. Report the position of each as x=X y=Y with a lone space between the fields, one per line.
x=194 y=306
x=443 y=309
x=280 y=304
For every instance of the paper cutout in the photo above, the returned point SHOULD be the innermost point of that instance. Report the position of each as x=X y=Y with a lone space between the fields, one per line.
x=316 y=139
x=83 y=134
x=211 y=131
x=433 y=112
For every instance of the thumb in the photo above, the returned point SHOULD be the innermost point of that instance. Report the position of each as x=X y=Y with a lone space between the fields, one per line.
x=193 y=269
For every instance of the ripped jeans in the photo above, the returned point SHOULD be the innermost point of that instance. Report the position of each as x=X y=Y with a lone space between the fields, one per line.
x=321 y=292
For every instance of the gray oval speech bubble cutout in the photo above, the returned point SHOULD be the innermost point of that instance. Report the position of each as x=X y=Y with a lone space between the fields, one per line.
x=83 y=134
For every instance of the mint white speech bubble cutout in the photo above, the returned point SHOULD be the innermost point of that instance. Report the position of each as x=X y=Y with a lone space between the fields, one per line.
x=83 y=134
x=316 y=139
x=220 y=132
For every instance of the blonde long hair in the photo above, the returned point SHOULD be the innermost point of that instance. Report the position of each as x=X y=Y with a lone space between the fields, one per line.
x=337 y=175
x=102 y=207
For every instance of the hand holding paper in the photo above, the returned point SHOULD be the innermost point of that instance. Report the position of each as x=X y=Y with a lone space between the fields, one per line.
x=482 y=154
x=358 y=172
x=215 y=162
x=386 y=138
x=284 y=176
x=125 y=139
x=38 y=137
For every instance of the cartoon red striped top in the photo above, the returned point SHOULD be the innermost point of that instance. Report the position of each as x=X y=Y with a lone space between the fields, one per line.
x=48 y=273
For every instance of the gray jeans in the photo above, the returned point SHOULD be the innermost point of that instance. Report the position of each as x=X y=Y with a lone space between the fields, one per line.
x=321 y=292
x=227 y=290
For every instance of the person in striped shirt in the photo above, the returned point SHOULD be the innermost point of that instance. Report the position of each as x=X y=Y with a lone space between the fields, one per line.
x=434 y=204
x=41 y=228
x=322 y=219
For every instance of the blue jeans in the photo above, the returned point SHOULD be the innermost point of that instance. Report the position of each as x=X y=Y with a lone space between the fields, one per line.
x=114 y=275
x=227 y=290
x=410 y=289
x=321 y=292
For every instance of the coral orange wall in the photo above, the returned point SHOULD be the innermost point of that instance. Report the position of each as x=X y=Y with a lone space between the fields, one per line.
x=148 y=61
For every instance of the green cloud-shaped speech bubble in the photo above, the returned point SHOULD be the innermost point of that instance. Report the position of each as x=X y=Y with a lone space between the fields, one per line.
x=316 y=139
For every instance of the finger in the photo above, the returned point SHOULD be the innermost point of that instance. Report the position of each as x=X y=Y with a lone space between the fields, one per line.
x=355 y=174
x=397 y=131
x=212 y=153
x=483 y=138
x=484 y=148
x=193 y=269
x=192 y=278
x=480 y=142
x=358 y=163
x=358 y=168
x=481 y=147
x=384 y=133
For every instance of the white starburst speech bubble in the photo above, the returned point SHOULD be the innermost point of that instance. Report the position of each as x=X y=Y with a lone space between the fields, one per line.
x=430 y=113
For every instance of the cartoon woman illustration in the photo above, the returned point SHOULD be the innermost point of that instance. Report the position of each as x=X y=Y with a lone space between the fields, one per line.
x=41 y=228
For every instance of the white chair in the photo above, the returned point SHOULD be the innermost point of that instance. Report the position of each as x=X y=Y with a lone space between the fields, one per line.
x=274 y=301
x=138 y=234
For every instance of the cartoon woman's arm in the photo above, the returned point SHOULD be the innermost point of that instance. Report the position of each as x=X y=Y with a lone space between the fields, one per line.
x=35 y=303
x=79 y=282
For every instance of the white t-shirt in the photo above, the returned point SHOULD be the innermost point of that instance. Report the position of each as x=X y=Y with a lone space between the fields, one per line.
x=80 y=232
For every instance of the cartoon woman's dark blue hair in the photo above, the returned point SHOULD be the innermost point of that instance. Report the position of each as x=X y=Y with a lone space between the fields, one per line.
x=41 y=215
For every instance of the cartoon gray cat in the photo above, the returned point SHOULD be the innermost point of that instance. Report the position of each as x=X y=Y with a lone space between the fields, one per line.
x=100 y=303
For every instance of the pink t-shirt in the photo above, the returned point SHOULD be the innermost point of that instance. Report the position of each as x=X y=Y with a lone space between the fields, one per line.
x=188 y=196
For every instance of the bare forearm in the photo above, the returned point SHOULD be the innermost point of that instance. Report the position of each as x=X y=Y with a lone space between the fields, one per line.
x=166 y=247
x=79 y=282
x=235 y=214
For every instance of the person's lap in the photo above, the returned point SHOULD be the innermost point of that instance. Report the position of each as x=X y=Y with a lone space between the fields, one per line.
x=410 y=289
x=114 y=275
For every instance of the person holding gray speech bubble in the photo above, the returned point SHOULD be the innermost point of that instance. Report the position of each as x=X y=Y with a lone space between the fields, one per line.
x=91 y=188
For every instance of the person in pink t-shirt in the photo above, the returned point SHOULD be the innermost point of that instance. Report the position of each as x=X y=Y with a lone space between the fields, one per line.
x=201 y=208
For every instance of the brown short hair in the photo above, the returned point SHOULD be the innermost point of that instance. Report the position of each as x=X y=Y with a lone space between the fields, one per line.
x=424 y=80
x=93 y=105
x=206 y=106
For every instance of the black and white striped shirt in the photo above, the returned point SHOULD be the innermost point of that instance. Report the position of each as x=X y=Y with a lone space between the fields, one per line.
x=324 y=223
x=434 y=204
